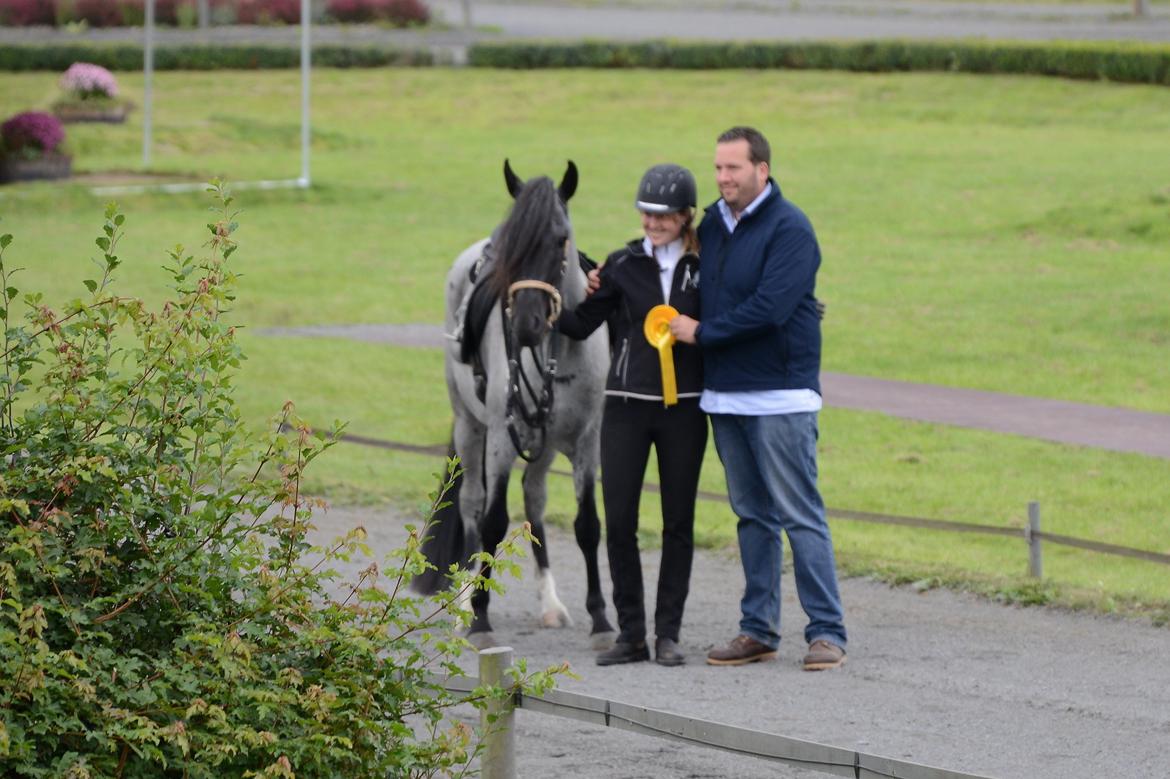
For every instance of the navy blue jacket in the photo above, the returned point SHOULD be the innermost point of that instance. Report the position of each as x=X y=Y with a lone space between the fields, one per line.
x=759 y=327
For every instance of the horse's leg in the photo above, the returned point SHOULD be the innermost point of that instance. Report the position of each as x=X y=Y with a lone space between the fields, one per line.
x=492 y=527
x=553 y=613
x=587 y=527
x=469 y=443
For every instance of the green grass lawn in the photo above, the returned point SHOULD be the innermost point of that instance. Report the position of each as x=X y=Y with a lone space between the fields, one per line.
x=1001 y=233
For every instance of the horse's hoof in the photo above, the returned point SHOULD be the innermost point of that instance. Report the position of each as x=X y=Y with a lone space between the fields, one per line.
x=601 y=641
x=556 y=619
x=482 y=640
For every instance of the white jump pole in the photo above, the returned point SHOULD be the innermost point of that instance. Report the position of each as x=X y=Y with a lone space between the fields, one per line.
x=306 y=63
x=147 y=86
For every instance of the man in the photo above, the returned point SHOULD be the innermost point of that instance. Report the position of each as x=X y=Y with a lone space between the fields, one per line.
x=761 y=341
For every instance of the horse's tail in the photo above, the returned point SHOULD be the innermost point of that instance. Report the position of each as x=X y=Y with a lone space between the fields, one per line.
x=443 y=543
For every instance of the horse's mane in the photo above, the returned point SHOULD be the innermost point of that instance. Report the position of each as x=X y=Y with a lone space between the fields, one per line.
x=526 y=233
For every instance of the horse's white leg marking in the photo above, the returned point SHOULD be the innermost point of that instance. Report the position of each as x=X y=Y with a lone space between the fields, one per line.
x=553 y=613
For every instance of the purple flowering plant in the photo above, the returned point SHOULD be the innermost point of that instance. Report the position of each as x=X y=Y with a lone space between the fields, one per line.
x=84 y=80
x=31 y=134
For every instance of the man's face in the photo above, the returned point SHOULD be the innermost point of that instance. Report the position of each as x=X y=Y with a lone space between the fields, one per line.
x=739 y=180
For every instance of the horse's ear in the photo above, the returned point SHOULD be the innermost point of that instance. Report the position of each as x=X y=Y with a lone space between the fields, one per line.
x=513 y=181
x=568 y=183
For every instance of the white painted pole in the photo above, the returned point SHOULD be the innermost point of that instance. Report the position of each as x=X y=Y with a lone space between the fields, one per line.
x=497 y=718
x=306 y=69
x=148 y=84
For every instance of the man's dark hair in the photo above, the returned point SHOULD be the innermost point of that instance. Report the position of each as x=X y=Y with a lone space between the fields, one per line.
x=758 y=148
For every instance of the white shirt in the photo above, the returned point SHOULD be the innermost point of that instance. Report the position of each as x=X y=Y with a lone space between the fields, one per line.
x=757 y=403
x=730 y=220
x=667 y=258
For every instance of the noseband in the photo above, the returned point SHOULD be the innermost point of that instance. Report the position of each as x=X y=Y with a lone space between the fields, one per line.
x=553 y=293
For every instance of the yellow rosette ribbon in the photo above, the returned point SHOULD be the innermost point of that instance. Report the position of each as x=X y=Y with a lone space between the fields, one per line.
x=657 y=330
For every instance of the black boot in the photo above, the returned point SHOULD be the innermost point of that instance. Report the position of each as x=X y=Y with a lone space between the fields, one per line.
x=624 y=652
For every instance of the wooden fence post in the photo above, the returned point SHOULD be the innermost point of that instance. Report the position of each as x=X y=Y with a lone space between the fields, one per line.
x=496 y=719
x=1035 y=562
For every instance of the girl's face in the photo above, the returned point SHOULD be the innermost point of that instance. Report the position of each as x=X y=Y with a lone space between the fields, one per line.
x=661 y=229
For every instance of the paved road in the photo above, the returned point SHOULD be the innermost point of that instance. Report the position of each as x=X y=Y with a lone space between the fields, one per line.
x=811 y=19
x=1080 y=424
x=696 y=19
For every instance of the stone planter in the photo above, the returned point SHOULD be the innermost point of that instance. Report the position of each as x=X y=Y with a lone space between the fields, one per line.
x=111 y=113
x=49 y=166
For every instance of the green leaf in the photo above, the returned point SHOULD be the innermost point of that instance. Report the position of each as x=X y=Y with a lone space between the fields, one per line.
x=91 y=285
x=11 y=292
x=5 y=240
x=103 y=243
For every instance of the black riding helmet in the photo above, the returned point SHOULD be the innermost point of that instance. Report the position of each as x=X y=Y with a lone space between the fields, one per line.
x=665 y=189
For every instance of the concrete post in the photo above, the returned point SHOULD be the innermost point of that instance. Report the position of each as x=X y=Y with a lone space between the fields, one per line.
x=1035 y=562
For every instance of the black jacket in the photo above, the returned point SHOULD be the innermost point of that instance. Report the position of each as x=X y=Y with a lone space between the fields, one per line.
x=629 y=289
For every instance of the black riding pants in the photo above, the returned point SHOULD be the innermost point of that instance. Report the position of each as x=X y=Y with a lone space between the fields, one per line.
x=679 y=435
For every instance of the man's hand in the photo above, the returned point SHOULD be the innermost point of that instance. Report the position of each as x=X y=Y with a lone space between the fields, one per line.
x=683 y=328
x=592 y=281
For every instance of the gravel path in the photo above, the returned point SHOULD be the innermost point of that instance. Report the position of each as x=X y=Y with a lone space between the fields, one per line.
x=938 y=678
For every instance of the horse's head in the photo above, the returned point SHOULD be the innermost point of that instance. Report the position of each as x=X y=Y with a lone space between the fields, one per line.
x=534 y=248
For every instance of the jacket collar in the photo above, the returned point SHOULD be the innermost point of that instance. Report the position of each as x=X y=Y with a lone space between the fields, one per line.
x=773 y=197
x=636 y=249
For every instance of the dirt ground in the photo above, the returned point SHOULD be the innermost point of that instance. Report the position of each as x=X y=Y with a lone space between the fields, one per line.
x=938 y=678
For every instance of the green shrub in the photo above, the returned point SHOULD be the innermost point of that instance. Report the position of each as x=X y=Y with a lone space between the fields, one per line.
x=162 y=611
x=1122 y=62
x=1139 y=63
x=57 y=57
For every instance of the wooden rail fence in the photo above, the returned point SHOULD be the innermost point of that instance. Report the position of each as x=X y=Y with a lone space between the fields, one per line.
x=498 y=759
x=1031 y=534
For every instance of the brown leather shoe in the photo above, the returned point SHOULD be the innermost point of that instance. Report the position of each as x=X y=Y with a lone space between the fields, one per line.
x=823 y=655
x=741 y=650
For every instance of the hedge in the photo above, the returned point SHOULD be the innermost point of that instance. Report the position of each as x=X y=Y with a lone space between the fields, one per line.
x=1121 y=62
x=211 y=57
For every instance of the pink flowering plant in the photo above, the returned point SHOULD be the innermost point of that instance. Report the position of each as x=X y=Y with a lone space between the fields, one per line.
x=90 y=95
x=84 y=80
x=32 y=134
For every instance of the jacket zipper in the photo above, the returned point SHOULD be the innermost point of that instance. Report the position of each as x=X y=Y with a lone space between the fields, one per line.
x=623 y=361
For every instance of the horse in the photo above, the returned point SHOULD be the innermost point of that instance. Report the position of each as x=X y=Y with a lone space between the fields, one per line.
x=522 y=390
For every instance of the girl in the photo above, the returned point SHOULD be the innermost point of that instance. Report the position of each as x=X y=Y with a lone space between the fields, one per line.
x=661 y=267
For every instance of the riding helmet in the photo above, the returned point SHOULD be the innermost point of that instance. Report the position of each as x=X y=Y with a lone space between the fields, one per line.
x=665 y=189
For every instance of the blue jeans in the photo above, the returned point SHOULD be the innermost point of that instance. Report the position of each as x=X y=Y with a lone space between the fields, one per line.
x=771 y=465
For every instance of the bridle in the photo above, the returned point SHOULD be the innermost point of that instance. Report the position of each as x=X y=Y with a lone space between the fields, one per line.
x=532 y=401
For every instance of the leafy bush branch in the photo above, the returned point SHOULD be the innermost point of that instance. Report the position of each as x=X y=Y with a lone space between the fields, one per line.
x=163 y=608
